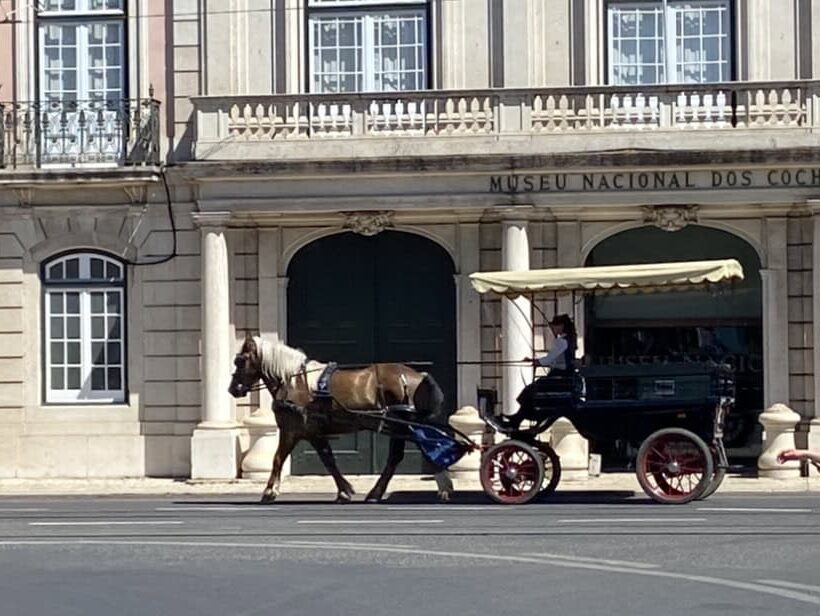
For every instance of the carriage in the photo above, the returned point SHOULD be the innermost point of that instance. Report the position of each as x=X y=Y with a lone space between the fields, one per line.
x=672 y=413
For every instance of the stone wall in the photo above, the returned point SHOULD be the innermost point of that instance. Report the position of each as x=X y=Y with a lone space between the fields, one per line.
x=801 y=336
x=12 y=350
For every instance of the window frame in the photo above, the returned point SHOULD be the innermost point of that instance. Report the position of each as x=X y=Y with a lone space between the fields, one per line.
x=82 y=17
x=85 y=287
x=668 y=44
x=367 y=7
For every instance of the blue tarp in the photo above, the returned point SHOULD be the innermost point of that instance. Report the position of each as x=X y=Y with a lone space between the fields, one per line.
x=438 y=448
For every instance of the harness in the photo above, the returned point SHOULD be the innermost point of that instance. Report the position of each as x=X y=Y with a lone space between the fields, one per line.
x=323 y=383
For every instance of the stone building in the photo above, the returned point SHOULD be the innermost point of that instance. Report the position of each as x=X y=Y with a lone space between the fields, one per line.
x=335 y=169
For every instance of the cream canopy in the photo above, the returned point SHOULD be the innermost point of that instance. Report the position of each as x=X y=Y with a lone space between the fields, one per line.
x=611 y=279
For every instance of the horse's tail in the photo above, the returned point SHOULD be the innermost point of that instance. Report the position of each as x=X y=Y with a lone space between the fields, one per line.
x=428 y=398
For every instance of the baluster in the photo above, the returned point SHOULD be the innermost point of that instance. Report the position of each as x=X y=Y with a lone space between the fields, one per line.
x=640 y=109
x=682 y=104
x=654 y=110
x=708 y=109
x=536 y=119
x=628 y=111
x=720 y=99
x=615 y=110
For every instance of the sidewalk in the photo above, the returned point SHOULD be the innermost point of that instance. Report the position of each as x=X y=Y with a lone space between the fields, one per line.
x=321 y=485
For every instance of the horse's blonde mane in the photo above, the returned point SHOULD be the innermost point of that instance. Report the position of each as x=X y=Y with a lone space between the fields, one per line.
x=277 y=359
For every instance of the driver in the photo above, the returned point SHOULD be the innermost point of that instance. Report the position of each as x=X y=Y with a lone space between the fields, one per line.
x=561 y=363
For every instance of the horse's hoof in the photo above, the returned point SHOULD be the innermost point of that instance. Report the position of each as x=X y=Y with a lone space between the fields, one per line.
x=444 y=497
x=373 y=498
x=343 y=498
x=268 y=496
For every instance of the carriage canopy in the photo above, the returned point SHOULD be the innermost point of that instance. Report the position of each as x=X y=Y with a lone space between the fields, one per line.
x=636 y=278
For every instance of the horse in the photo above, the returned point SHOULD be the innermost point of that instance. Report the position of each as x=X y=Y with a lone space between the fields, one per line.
x=292 y=380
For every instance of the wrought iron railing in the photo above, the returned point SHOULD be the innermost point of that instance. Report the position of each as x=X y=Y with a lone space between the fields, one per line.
x=77 y=133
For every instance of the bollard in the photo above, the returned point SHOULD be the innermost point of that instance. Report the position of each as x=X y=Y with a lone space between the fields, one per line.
x=572 y=449
x=466 y=420
x=779 y=423
x=264 y=435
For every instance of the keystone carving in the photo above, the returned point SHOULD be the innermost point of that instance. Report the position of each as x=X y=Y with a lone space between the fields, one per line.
x=671 y=217
x=368 y=223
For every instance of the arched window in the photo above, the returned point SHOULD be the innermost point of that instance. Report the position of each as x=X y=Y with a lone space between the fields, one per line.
x=84 y=327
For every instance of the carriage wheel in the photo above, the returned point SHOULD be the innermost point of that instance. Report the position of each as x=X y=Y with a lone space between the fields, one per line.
x=552 y=468
x=512 y=473
x=674 y=466
x=717 y=478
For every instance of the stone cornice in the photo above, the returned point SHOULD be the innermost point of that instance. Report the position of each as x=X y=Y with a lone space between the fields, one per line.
x=577 y=162
x=60 y=179
x=218 y=220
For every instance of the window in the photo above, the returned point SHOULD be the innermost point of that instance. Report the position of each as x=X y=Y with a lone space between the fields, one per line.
x=81 y=59
x=82 y=80
x=84 y=329
x=669 y=41
x=354 y=48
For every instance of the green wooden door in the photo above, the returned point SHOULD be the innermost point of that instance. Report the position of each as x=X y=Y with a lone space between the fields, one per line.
x=355 y=299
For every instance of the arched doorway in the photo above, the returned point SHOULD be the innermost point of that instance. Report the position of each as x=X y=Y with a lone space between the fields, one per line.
x=724 y=325
x=356 y=299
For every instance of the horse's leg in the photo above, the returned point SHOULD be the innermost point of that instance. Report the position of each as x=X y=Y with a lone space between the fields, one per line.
x=394 y=456
x=287 y=441
x=444 y=484
x=344 y=489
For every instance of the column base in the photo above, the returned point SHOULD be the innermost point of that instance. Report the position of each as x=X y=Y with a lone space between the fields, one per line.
x=264 y=434
x=814 y=443
x=572 y=449
x=215 y=454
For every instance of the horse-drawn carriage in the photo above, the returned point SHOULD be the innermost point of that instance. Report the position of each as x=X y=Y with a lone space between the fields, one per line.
x=673 y=414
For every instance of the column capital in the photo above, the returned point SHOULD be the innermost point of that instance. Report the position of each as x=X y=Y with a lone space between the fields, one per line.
x=211 y=220
x=516 y=214
x=813 y=206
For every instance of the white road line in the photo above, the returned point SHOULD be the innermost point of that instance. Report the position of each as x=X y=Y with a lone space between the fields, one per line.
x=216 y=508
x=807 y=587
x=111 y=523
x=600 y=561
x=753 y=510
x=333 y=522
x=786 y=593
x=23 y=510
x=346 y=543
x=627 y=520
x=449 y=508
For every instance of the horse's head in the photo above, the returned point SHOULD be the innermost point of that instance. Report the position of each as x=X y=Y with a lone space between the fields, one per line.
x=248 y=369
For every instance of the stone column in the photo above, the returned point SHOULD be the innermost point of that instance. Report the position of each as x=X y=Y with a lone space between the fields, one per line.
x=469 y=315
x=516 y=328
x=215 y=444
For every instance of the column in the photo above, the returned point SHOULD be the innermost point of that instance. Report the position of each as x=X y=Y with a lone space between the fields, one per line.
x=775 y=315
x=214 y=444
x=516 y=328
x=469 y=314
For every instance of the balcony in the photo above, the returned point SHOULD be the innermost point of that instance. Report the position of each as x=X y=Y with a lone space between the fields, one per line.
x=739 y=115
x=79 y=134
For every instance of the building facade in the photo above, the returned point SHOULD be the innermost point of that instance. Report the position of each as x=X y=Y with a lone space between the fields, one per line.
x=176 y=174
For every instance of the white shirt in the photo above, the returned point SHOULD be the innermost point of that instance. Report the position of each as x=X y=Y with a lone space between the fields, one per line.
x=555 y=358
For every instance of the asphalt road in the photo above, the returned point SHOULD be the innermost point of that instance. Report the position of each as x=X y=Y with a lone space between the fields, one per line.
x=582 y=554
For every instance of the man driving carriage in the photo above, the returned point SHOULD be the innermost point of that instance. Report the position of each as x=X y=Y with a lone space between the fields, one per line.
x=561 y=364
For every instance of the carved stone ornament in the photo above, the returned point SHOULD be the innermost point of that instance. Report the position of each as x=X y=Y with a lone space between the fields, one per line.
x=368 y=223
x=671 y=217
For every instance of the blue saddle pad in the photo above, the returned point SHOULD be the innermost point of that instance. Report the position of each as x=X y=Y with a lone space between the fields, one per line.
x=323 y=383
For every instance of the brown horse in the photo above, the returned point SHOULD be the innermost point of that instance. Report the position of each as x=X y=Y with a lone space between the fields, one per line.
x=292 y=381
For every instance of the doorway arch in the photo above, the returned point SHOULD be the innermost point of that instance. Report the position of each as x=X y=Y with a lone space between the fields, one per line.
x=386 y=298
x=724 y=325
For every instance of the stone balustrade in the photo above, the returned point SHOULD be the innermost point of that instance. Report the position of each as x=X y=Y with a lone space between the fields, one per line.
x=233 y=127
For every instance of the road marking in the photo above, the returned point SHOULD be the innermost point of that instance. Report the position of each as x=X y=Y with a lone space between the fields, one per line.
x=22 y=510
x=626 y=520
x=450 y=508
x=753 y=510
x=807 y=587
x=602 y=561
x=786 y=593
x=346 y=543
x=216 y=508
x=110 y=523
x=369 y=521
